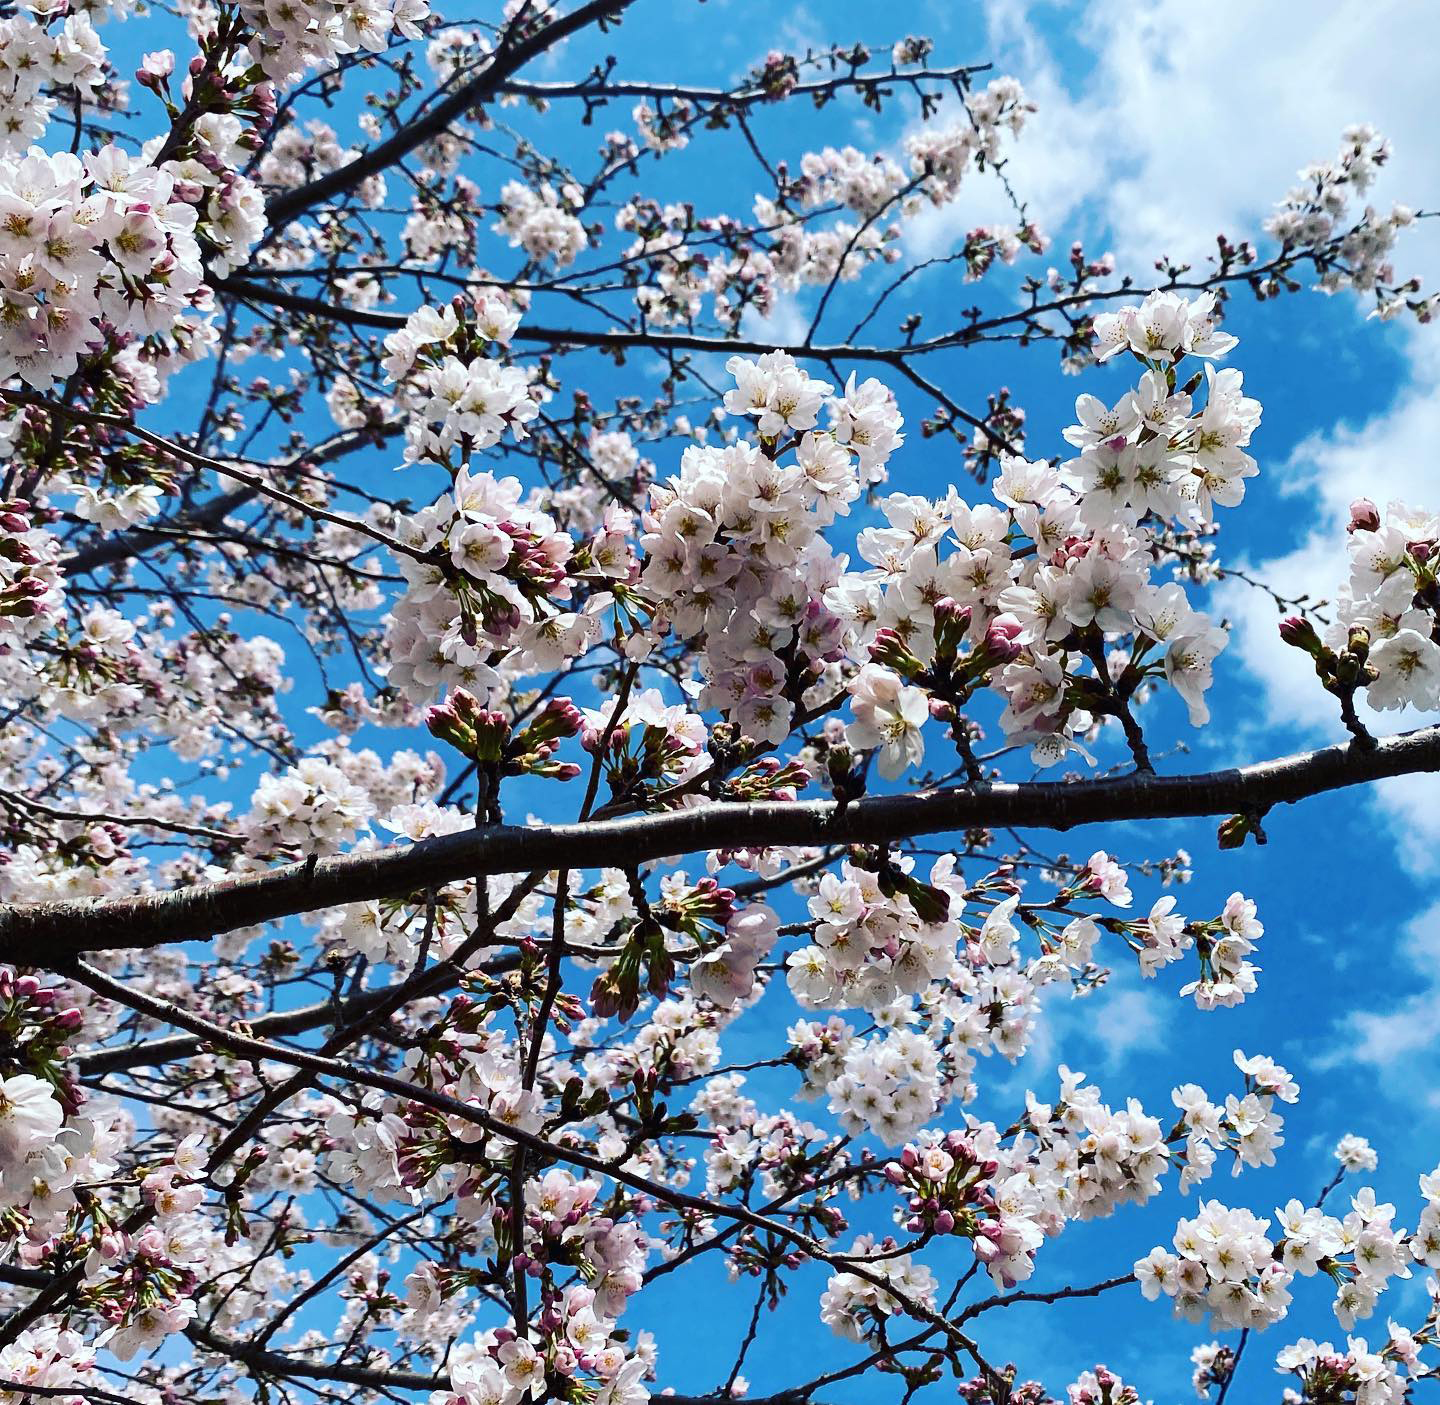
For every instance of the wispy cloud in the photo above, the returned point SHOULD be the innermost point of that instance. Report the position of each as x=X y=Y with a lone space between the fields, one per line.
x=1150 y=145
x=1388 y=456
x=1410 y=1026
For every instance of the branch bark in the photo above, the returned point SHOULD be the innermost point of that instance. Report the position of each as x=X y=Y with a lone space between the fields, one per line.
x=43 y=934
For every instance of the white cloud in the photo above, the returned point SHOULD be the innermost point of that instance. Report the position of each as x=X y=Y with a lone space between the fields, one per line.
x=1384 y=1037
x=1180 y=120
x=1390 y=456
x=786 y=325
x=1128 y=1023
x=1162 y=123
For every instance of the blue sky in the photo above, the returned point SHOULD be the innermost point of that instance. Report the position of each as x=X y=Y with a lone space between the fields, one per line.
x=1158 y=126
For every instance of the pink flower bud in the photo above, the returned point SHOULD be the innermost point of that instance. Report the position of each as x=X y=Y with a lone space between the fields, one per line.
x=1001 y=639
x=1299 y=633
x=1364 y=516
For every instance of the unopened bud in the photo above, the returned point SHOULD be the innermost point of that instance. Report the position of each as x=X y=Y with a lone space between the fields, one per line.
x=1364 y=516
x=1002 y=638
x=1232 y=832
x=951 y=621
x=889 y=649
x=1299 y=633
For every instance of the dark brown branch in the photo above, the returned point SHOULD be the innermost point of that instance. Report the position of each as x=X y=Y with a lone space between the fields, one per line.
x=45 y=933
x=591 y=89
x=1055 y=1295
x=154 y=1053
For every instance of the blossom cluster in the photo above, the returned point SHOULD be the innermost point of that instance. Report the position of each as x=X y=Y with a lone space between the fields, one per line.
x=99 y=239
x=1388 y=615
x=488 y=576
x=571 y=1346
x=734 y=558
x=36 y=60
x=1225 y=1267
x=313 y=807
x=542 y=221
x=524 y=1096
x=938 y=157
x=858 y=1308
x=1313 y=215
x=293 y=38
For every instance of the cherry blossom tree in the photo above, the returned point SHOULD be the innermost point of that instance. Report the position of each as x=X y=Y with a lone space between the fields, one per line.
x=424 y=760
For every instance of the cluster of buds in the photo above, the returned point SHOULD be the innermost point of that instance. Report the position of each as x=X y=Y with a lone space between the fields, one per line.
x=640 y=761
x=698 y=912
x=532 y=564
x=952 y=676
x=29 y=577
x=569 y=1352
x=1357 y=1373
x=484 y=736
x=427 y=1148
x=777 y=76
x=1002 y=1389
x=644 y=965
x=474 y=731
x=948 y=1183
x=1102 y=1387
x=1341 y=672
x=532 y=749
x=36 y=1027
x=149 y=1298
x=214 y=82
x=1098 y=1387
x=768 y=779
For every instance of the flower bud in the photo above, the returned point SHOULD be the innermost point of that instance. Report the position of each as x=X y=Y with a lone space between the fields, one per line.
x=1001 y=639
x=1364 y=516
x=445 y=724
x=1232 y=832
x=951 y=621
x=890 y=649
x=1299 y=633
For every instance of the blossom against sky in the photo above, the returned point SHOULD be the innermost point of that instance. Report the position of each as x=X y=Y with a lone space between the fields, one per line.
x=1148 y=137
x=1158 y=126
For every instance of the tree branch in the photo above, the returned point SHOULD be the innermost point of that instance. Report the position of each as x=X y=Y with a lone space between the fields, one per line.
x=42 y=934
x=508 y=59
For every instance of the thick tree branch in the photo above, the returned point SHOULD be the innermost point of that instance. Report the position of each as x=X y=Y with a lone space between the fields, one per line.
x=45 y=933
